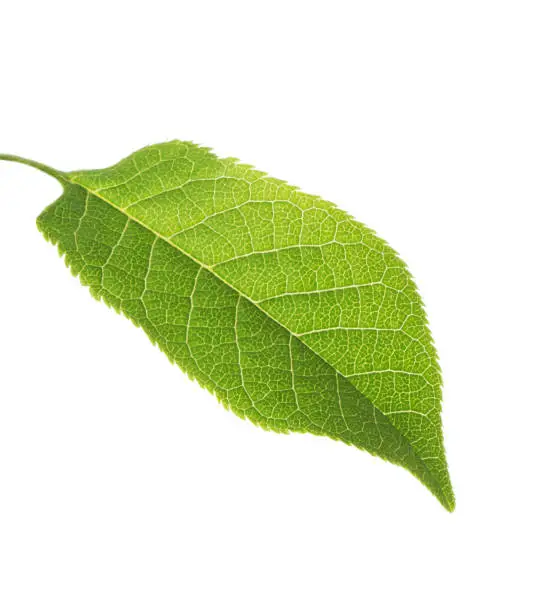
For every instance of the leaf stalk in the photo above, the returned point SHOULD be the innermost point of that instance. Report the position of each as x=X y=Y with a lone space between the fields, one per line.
x=60 y=176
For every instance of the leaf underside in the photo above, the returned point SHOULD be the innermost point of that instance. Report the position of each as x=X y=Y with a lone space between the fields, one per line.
x=292 y=313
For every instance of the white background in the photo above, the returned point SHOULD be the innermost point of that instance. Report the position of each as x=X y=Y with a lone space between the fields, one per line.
x=125 y=487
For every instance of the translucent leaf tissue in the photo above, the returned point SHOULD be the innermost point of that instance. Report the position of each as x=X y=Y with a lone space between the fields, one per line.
x=296 y=316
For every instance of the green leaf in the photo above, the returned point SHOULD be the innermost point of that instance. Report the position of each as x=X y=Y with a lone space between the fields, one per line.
x=292 y=313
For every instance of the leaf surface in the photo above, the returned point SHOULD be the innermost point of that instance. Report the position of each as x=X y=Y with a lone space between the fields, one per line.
x=292 y=313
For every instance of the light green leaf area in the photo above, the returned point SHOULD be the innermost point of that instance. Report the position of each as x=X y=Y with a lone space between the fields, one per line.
x=292 y=313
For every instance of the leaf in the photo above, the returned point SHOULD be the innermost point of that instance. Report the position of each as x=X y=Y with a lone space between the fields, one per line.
x=292 y=313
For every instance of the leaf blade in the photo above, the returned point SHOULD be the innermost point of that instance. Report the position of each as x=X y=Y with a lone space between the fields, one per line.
x=246 y=230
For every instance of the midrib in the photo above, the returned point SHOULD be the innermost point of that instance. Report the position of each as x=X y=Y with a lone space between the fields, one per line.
x=257 y=305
